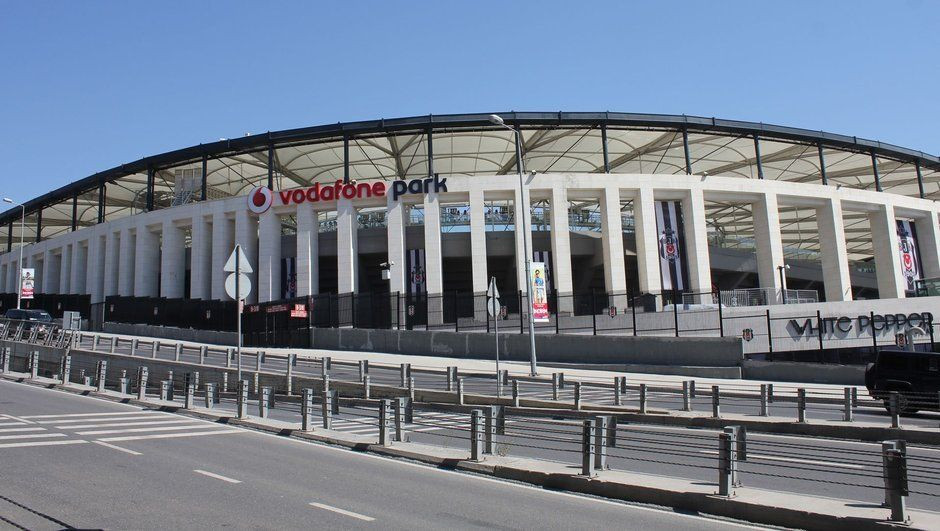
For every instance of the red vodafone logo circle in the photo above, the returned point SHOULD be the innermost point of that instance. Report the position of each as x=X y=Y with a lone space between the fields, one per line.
x=260 y=199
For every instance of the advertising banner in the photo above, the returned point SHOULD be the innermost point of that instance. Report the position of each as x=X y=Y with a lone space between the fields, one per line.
x=27 y=283
x=910 y=258
x=671 y=245
x=417 y=282
x=539 y=293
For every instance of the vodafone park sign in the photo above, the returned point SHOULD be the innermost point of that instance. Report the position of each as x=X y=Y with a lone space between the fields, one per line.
x=260 y=198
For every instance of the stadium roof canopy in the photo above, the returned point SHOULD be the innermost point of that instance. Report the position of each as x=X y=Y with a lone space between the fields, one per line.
x=468 y=144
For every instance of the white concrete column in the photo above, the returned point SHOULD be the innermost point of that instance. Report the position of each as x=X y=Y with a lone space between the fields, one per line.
x=200 y=259
x=522 y=207
x=767 y=239
x=647 y=241
x=223 y=242
x=172 y=261
x=128 y=249
x=615 y=276
x=696 y=245
x=395 y=227
x=79 y=267
x=50 y=279
x=884 y=239
x=146 y=262
x=112 y=257
x=347 y=247
x=65 y=268
x=246 y=235
x=832 y=249
x=433 y=261
x=308 y=251
x=96 y=257
x=269 y=257
x=561 y=249
x=480 y=275
x=928 y=243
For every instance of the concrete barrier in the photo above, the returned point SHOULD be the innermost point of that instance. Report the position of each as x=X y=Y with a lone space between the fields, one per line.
x=787 y=371
x=169 y=332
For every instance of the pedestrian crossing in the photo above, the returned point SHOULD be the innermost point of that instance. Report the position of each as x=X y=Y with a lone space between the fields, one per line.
x=102 y=428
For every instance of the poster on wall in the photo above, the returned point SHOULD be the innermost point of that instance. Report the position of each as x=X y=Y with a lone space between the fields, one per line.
x=671 y=245
x=539 y=293
x=288 y=278
x=417 y=280
x=910 y=257
x=546 y=258
x=27 y=283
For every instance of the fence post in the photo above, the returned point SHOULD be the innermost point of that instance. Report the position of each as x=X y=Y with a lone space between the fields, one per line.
x=896 y=487
x=489 y=428
x=241 y=401
x=716 y=397
x=169 y=377
x=124 y=383
x=4 y=360
x=801 y=405
x=362 y=369
x=399 y=419
x=763 y=401
x=770 y=393
x=515 y=393
x=264 y=401
x=587 y=448
x=229 y=354
x=66 y=367
x=686 y=401
x=601 y=429
x=203 y=350
x=675 y=310
x=770 y=334
x=593 y=312
x=405 y=371
x=306 y=409
x=94 y=341
x=725 y=457
x=325 y=364
x=894 y=404
x=188 y=394
x=449 y=383
x=165 y=390
x=577 y=396
x=113 y=347
x=642 y=398
x=721 y=320
x=847 y=406
x=154 y=347
x=178 y=352
x=34 y=364
x=102 y=374
x=211 y=392
x=141 y=381
x=460 y=391
x=224 y=382
x=554 y=386
x=384 y=406
x=476 y=436
x=617 y=397
x=737 y=449
x=327 y=409
x=692 y=389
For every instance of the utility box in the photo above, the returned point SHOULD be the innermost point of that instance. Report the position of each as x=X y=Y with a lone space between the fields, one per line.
x=71 y=320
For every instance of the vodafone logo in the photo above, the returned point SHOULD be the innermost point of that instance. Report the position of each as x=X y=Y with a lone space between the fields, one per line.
x=260 y=199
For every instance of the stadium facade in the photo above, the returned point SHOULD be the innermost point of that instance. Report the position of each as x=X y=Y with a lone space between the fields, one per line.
x=621 y=206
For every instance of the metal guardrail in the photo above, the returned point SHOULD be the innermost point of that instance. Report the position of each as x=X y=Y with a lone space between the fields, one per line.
x=766 y=296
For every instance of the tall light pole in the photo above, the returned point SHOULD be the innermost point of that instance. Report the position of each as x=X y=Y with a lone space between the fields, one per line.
x=19 y=267
x=495 y=119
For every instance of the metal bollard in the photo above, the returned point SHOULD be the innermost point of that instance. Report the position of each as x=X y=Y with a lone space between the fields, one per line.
x=169 y=376
x=894 y=404
x=449 y=383
x=515 y=393
x=476 y=436
x=211 y=394
x=134 y=344
x=555 y=383
x=716 y=399
x=224 y=382
x=326 y=383
x=94 y=342
x=229 y=357
x=102 y=375
x=854 y=397
x=411 y=388
x=264 y=402
x=86 y=380
x=306 y=409
x=325 y=366
x=196 y=378
x=847 y=405
x=561 y=380
x=326 y=411
x=732 y=432
x=642 y=399
x=366 y=387
x=801 y=405
x=404 y=371
x=686 y=398
x=618 y=401
x=725 y=464
x=4 y=360
x=577 y=396
x=623 y=385
x=257 y=381
x=770 y=393
x=34 y=365
x=203 y=352
x=241 y=399
x=764 y=410
x=587 y=447
x=601 y=436
x=259 y=359
x=164 y=390
x=460 y=391
x=154 y=347
x=141 y=383
x=334 y=401
x=291 y=362
x=124 y=385
x=384 y=407
x=503 y=377
x=113 y=346
x=362 y=369
x=896 y=486
x=692 y=389
x=489 y=428
x=178 y=352
x=189 y=395
x=399 y=419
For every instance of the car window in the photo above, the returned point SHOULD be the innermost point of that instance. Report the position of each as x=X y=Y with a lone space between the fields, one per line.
x=893 y=362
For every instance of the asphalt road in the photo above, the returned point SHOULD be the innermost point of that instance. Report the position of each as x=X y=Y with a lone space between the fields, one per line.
x=82 y=462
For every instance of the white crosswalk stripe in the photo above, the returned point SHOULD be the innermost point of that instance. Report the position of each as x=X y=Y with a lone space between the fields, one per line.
x=31 y=436
x=11 y=430
x=142 y=430
x=103 y=419
x=155 y=422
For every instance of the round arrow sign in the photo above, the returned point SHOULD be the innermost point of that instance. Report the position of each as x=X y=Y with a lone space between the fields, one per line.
x=244 y=286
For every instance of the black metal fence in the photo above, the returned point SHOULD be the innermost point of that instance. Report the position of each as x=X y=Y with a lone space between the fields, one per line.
x=52 y=303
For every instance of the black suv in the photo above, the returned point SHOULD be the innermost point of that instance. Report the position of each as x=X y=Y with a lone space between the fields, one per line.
x=914 y=375
x=32 y=317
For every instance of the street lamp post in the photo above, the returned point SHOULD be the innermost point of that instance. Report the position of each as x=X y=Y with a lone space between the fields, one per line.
x=783 y=282
x=19 y=267
x=495 y=119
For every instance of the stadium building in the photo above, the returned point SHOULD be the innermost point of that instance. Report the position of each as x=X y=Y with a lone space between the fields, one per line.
x=642 y=224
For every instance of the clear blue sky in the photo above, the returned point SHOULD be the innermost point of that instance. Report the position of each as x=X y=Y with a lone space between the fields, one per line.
x=88 y=85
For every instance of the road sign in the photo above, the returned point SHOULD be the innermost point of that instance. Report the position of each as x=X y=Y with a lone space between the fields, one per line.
x=243 y=265
x=492 y=298
x=244 y=286
x=491 y=291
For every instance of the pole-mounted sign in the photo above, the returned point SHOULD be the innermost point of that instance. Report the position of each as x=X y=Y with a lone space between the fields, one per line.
x=238 y=286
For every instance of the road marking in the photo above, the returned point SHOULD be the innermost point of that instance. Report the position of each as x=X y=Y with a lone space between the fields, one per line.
x=10 y=430
x=342 y=511
x=41 y=443
x=31 y=436
x=119 y=424
x=216 y=476
x=18 y=419
x=118 y=448
x=171 y=435
x=105 y=419
x=105 y=414
x=11 y=423
x=792 y=460
x=136 y=430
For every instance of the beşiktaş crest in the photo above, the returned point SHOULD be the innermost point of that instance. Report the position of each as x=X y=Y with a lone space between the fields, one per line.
x=669 y=245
